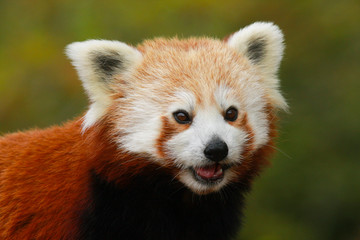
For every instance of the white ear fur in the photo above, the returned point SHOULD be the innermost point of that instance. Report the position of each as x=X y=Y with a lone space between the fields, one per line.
x=262 y=43
x=97 y=62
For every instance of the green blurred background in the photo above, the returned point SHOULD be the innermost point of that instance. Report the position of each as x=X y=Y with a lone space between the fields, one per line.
x=312 y=190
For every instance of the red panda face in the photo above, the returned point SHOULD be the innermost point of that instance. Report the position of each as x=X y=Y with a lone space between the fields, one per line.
x=197 y=107
x=196 y=110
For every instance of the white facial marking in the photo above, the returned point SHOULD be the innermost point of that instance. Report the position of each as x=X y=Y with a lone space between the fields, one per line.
x=141 y=131
x=224 y=98
x=184 y=100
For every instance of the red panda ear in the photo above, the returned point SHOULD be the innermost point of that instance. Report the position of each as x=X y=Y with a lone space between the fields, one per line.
x=97 y=63
x=262 y=44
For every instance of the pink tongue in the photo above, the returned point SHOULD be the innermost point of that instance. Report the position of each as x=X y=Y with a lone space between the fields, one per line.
x=210 y=172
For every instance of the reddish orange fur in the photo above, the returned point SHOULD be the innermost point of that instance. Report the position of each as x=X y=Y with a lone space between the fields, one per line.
x=60 y=158
x=167 y=132
x=59 y=188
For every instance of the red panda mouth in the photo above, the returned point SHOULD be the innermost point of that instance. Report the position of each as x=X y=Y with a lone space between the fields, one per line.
x=209 y=174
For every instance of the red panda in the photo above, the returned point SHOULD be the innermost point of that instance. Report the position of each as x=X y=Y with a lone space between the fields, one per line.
x=174 y=135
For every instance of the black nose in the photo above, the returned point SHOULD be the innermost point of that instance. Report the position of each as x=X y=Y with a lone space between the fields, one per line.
x=216 y=150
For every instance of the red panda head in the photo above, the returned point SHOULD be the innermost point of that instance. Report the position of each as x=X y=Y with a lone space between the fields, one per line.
x=200 y=107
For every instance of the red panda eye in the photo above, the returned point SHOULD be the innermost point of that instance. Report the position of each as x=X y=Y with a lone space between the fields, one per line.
x=182 y=117
x=231 y=114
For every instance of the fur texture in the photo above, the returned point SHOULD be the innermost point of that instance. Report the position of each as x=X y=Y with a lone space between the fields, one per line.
x=134 y=166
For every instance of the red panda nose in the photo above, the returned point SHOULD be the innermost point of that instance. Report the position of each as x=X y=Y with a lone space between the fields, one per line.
x=216 y=150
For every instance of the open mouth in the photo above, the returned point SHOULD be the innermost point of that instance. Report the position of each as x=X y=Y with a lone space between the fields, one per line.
x=209 y=174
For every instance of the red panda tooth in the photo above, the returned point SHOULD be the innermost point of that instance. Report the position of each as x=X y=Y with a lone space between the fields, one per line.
x=219 y=171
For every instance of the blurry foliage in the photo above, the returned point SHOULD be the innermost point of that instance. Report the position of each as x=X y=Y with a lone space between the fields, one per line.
x=312 y=190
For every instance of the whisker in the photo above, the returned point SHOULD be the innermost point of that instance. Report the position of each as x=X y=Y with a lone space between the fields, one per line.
x=279 y=150
x=159 y=167
x=222 y=194
x=176 y=175
x=177 y=190
x=225 y=194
